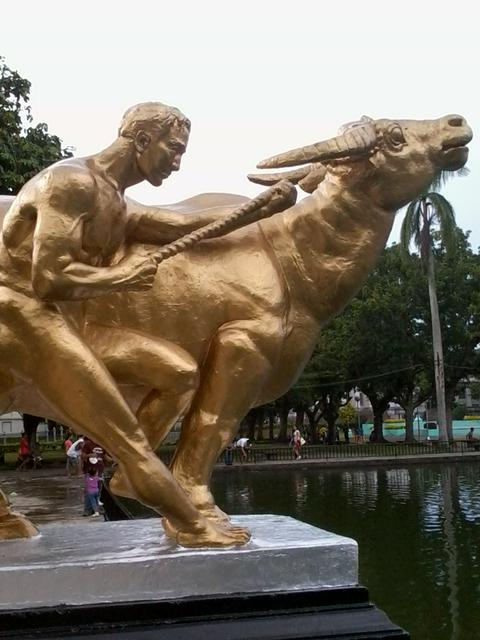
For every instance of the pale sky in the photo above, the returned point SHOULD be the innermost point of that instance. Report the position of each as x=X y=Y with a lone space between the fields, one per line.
x=255 y=78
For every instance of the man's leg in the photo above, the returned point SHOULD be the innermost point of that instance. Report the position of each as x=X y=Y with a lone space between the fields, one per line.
x=162 y=366
x=241 y=357
x=44 y=348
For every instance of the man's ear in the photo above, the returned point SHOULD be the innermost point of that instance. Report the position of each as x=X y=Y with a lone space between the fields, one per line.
x=142 y=140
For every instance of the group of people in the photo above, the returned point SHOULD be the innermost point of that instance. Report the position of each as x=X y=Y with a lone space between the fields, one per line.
x=85 y=457
x=242 y=445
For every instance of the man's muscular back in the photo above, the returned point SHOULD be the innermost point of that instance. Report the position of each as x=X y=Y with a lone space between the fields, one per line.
x=68 y=214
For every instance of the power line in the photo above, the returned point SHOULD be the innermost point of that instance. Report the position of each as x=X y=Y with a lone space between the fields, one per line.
x=370 y=377
x=377 y=375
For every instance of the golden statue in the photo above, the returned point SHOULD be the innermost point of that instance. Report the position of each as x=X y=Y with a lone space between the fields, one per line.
x=98 y=332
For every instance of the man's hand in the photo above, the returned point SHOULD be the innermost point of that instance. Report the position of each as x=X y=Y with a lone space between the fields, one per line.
x=284 y=195
x=140 y=269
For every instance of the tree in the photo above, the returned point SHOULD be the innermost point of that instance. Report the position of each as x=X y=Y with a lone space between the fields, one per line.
x=387 y=322
x=24 y=149
x=458 y=285
x=347 y=419
x=326 y=376
x=428 y=212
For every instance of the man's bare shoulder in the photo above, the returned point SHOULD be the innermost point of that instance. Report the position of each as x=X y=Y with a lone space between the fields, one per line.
x=68 y=186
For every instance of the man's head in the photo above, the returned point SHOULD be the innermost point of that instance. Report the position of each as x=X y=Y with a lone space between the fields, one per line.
x=160 y=135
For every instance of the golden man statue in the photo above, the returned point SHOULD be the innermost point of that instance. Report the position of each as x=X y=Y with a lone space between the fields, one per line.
x=99 y=331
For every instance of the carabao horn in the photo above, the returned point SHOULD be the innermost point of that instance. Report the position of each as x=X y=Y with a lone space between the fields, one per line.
x=357 y=141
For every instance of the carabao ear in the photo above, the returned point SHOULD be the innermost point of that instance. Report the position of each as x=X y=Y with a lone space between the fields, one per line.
x=313 y=179
x=308 y=178
x=272 y=178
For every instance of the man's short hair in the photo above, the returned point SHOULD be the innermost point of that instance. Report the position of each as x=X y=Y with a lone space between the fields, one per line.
x=151 y=116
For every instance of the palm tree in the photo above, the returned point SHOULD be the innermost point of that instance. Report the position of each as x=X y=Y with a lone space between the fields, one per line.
x=430 y=212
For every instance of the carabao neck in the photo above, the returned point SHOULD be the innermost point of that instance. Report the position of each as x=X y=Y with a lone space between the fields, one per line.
x=327 y=244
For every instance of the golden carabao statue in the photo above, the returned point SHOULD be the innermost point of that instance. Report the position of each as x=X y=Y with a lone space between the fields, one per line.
x=95 y=333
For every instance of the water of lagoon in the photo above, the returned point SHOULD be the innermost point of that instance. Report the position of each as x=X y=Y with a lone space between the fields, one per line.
x=417 y=527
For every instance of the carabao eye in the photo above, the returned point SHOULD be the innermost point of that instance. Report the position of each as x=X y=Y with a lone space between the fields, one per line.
x=395 y=136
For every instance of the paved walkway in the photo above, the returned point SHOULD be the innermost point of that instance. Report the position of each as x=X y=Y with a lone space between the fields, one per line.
x=44 y=495
x=362 y=461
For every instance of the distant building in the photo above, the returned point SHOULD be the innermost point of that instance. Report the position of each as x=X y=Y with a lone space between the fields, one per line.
x=11 y=424
x=468 y=396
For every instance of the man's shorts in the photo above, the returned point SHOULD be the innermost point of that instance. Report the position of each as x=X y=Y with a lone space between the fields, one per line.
x=72 y=463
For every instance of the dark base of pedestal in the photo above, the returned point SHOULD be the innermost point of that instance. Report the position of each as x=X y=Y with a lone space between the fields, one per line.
x=327 y=613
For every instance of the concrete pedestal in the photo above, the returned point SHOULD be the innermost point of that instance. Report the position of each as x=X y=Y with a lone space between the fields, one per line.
x=107 y=579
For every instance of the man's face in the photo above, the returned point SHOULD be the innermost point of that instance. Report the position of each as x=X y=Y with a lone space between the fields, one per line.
x=162 y=154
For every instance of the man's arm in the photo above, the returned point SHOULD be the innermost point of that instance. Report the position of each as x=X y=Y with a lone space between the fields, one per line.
x=66 y=199
x=150 y=224
x=160 y=225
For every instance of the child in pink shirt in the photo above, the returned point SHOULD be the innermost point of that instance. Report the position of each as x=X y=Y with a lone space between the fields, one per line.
x=92 y=480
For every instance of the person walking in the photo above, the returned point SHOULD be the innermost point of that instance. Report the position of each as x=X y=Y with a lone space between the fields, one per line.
x=296 y=444
x=24 y=455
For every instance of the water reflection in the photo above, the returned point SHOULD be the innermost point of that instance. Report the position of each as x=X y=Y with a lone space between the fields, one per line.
x=398 y=483
x=418 y=529
x=361 y=488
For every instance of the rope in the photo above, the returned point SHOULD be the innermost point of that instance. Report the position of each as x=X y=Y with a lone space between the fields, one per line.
x=214 y=228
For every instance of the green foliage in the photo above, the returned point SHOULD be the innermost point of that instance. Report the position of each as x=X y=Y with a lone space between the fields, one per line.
x=388 y=320
x=24 y=149
x=382 y=342
x=347 y=416
x=422 y=216
x=458 y=287
x=458 y=413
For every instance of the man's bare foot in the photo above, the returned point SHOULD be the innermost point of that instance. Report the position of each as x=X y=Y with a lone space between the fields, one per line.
x=214 y=513
x=208 y=535
x=212 y=537
x=220 y=523
x=221 y=519
x=203 y=500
